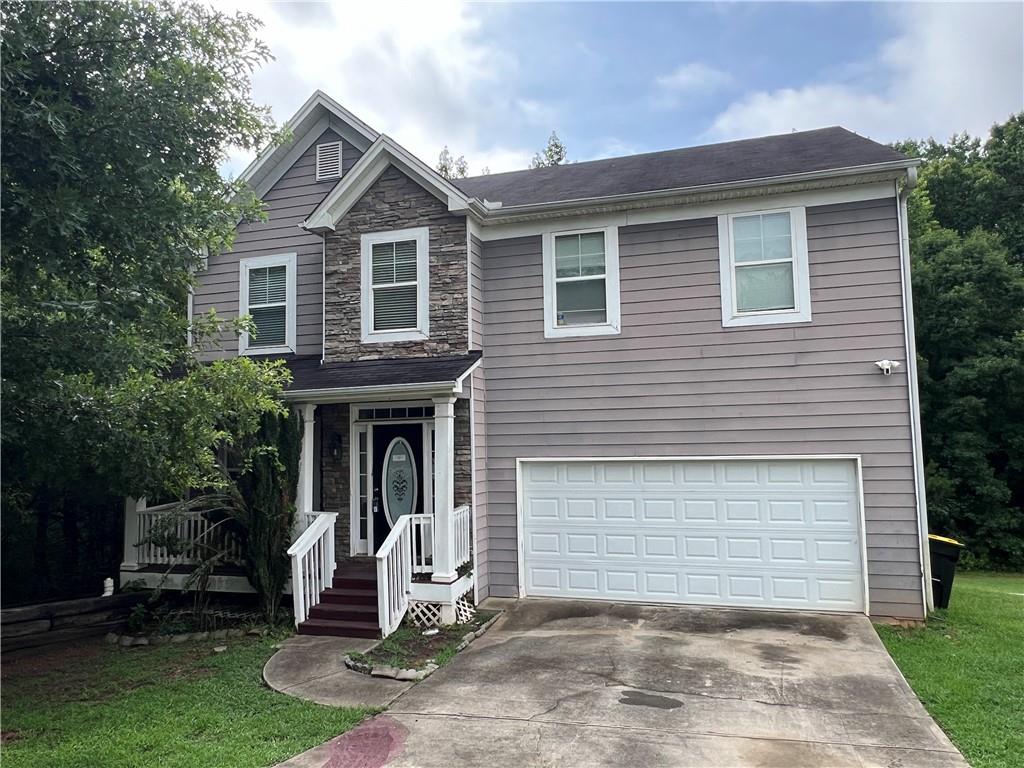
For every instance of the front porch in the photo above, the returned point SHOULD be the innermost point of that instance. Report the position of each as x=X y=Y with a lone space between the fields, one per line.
x=384 y=523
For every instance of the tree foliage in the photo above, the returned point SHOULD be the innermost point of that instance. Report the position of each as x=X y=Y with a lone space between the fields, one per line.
x=553 y=154
x=452 y=167
x=115 y=118
x=965 y=219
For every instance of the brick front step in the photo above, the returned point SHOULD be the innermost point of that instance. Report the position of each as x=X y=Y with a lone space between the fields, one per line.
x=337 y=628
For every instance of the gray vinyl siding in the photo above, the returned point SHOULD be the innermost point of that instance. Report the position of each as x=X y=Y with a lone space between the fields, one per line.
x=479 y=405
x=480 y=519
x=476 y=293
x=287 y=203
x=676 y=383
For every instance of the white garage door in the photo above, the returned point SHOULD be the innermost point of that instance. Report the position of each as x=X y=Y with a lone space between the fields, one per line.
x=778 y=534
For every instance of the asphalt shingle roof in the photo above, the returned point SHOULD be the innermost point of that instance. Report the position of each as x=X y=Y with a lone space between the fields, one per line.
x=767 y=157
x=308 y=373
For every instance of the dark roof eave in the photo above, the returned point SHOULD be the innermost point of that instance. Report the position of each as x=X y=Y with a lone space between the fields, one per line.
x=506 y=213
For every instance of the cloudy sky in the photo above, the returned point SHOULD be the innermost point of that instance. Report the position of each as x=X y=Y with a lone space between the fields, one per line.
x=493 y=80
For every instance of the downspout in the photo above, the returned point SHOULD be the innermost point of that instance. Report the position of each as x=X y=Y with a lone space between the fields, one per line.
x=912 y=386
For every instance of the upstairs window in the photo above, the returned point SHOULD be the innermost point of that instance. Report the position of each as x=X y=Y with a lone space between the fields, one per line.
x=267 y=295
x=763 y=268
x=328 y=161
x=395 y=285
x=581 y=283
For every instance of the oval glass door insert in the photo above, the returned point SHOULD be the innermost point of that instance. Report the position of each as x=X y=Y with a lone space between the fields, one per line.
x=399 y=480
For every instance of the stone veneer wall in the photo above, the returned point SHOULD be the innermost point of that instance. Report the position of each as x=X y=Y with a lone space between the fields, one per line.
x=334 y=472
x=396 y=202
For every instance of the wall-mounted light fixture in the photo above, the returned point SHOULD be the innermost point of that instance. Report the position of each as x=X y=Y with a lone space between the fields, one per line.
x=334 y=445
x=887 y=366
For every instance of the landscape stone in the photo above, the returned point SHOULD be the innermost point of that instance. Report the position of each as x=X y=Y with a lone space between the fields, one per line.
x=219 y=648
x=383 y=671
x=113 y=638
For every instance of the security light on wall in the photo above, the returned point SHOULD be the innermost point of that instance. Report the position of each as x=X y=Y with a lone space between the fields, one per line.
x=887 y=366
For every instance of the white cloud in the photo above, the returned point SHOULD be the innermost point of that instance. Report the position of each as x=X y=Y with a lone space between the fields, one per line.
x=694 y=77
x=951 y=68
x=419 y=72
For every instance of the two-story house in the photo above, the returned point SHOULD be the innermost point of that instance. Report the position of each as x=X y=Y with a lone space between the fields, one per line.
x=682 y=377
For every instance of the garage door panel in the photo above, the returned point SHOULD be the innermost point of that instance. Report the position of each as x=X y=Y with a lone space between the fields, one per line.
x=770 y=533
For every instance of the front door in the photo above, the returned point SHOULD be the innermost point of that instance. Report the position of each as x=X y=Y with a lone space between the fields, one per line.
x=397 y=476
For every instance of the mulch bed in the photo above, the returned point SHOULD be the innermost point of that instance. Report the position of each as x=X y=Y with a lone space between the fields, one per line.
x=408 y=647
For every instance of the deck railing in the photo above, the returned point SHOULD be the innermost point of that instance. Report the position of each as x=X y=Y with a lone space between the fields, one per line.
x=463 y=535
x=394 y=575
x=199 y=536
x=422 y=543
x=312 y=557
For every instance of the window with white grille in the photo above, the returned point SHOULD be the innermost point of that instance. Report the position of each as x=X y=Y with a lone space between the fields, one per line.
x=395 y=285
x=328 y=160
x=581 y=283
x=267 y=296
x=764 y=274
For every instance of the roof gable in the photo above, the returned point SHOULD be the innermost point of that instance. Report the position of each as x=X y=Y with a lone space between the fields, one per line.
x=384 y=152
x=319 y=114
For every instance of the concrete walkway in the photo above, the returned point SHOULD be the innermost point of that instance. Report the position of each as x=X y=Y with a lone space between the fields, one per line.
x=311 y=668
x=572 y=683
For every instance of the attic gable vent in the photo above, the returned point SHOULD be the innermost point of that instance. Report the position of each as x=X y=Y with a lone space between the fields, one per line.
x=328 y=161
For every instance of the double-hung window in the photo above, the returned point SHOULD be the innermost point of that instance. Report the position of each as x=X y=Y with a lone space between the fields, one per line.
x=395 y=285
x=581 y=283
x=764 y=270
x=267 y=296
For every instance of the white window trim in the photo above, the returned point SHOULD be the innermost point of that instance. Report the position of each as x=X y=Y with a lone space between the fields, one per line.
x=422 y=330
x=255 y=262
x=613 y=322
x=801 y=313
x=321 y=148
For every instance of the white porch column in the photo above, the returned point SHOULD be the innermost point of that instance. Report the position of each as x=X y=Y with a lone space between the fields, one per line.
x=307 y=461
x=132 y=507
x=444 y=489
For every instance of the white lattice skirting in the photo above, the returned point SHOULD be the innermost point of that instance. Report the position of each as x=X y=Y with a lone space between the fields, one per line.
x=464 y=609
x=424 y=614
x=428 y=614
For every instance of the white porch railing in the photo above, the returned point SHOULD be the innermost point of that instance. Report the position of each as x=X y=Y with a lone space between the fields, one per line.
x=394 y=575
x=191 y=527
x=463 y=535
x=312 y=557
x=422 y=543
x=303 y=520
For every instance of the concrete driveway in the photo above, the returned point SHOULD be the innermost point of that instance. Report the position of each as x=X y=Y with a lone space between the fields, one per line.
x=566 y=683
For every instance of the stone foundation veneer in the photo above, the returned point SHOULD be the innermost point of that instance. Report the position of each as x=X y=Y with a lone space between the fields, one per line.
x=334 y=472
x=396 y=202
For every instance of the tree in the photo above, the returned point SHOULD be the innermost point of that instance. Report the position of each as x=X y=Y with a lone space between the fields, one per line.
x=452 y=167
x=553 y=154
x=973 y=184
x=115 y=118
x=969 y=311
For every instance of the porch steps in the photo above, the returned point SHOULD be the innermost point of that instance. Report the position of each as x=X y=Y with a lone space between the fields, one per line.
x=348 y=608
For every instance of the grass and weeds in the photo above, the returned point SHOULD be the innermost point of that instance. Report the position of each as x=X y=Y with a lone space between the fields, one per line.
x=175 y=706
x=967 y=667
x=408 y=648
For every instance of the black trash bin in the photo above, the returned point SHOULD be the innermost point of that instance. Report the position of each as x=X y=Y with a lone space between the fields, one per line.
x=944 y=555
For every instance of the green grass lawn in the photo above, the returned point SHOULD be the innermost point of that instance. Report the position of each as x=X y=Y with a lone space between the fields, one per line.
x=173 y=706
x=967 y=666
